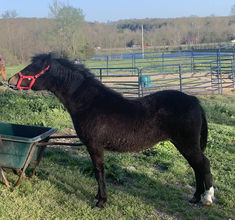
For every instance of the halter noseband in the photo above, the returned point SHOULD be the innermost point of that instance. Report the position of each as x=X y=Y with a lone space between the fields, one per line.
x=32 y=78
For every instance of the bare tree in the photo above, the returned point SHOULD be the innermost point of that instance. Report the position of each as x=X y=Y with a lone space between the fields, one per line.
x=233 y=10
x=9 y=14
x=55 y=8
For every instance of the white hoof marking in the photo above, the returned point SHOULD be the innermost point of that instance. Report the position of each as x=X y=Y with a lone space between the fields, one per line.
x=209 y=196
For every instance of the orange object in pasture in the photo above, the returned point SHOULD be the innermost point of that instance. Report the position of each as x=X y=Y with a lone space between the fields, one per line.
x=2 y=68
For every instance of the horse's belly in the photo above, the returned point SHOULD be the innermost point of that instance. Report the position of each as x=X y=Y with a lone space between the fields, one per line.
x=130 y=144
x=129 y=136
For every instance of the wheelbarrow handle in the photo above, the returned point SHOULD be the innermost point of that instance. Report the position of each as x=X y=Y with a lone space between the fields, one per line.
x=55 y=137
x=59 y=143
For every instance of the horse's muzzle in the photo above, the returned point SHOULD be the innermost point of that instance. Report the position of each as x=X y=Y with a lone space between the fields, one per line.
x=8 y=85
x=11 y=86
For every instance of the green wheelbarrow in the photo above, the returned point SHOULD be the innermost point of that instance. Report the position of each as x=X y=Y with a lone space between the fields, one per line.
x=21 y=145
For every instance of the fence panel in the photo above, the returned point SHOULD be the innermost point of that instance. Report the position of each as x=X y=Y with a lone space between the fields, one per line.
x=179 y=77
x=208 y=71
x=123 y=80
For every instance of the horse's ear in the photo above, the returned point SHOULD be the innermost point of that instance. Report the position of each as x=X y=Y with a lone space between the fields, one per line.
x=60 y=54
x=52 y=55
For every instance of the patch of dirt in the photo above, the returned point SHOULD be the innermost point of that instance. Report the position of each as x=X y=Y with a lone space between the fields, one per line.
x=73 y=150
x=196 y=83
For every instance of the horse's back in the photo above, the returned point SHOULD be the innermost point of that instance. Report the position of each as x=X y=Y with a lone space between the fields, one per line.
x=172 y=100
x=174 y=112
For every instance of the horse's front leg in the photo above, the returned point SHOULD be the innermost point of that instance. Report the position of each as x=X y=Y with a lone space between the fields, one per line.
x=97 y=156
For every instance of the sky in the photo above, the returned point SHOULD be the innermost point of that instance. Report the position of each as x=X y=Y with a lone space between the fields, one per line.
x=114 y=10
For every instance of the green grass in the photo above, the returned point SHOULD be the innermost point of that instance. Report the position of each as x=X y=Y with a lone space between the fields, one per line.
x=154 y=184
x=30 y=108
x=11 y=70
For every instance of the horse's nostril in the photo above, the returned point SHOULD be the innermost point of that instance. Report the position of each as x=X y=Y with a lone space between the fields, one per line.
x=9 y=81
x=12 y=81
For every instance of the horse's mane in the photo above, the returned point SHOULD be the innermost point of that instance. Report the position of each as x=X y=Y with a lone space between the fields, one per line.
x=68 y=73
x=67 y=66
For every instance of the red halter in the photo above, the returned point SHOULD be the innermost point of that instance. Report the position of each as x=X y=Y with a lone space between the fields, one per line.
x=32 y=78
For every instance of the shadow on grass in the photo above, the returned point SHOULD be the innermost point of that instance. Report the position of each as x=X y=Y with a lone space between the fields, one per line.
x=165 y=198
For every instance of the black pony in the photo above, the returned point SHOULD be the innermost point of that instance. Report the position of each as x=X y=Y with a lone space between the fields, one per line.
x=105 y=120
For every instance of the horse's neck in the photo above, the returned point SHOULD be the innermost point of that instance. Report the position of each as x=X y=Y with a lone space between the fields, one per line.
x=77 y=98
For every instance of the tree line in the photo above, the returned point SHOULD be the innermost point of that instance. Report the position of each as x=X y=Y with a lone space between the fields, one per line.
x=66 y=30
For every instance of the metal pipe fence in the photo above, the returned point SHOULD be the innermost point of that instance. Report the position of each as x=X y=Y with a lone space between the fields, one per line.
x=193 y=72
x=123 y=79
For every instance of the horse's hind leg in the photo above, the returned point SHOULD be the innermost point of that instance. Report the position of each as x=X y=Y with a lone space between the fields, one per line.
x=192 y=152
x=97 y=156
x=201 y=167
x=209 y=195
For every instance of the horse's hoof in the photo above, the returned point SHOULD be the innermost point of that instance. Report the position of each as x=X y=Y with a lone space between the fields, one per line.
x=99 y=205
x=195 y=200
x=207 y=203
x=209 y=197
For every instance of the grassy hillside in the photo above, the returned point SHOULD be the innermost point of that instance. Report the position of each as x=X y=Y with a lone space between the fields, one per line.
x=153 y=184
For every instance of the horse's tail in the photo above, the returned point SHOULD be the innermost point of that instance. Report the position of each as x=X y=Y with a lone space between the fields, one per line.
x=204 y=131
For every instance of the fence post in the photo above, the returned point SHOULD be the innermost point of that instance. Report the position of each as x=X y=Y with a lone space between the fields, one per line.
x=218 y=57
x=233 y=79
x=107 y=64
x=219 y=71
x=101 y=74
x=140 y=87
x=233 y=72
x=219 y=80
x=133 y=63
x=180 y=78
x=163 y=62
x=192 y=61
x=211 y=73
x=233 y=67
x=220 y=84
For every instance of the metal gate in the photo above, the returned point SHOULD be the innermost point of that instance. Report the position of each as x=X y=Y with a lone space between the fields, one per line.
x=223 y=75
x=179 y=77
x=124 y=80
x=193 y=72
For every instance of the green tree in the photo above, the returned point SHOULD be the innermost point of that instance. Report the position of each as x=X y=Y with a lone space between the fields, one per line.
x=130 y=43
x=67 y=34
